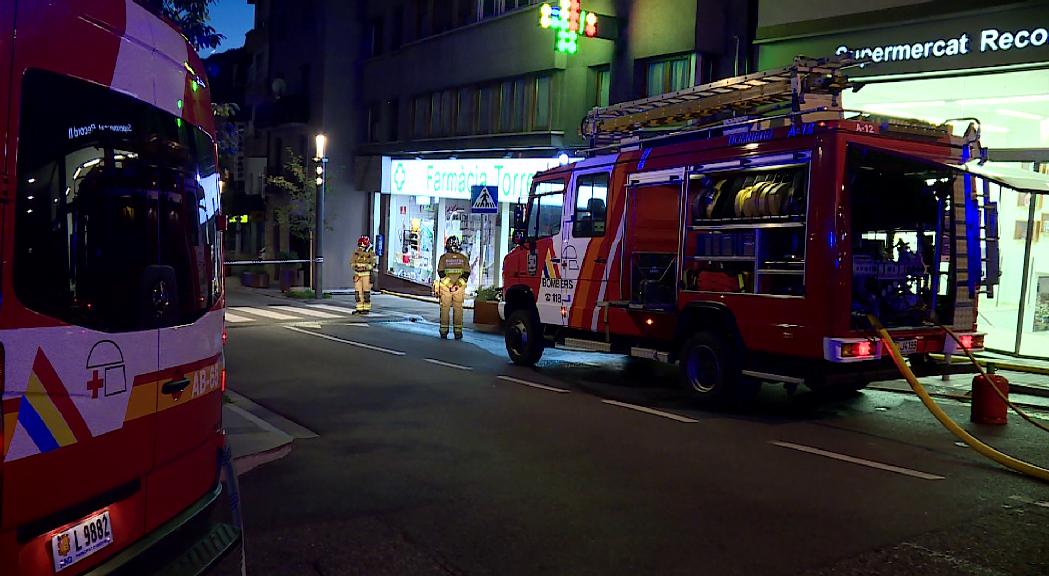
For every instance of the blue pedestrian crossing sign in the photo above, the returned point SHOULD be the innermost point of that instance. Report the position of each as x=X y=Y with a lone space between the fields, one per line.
x=483 y=200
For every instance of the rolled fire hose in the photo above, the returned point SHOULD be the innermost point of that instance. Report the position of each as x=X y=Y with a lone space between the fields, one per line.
x=1009 y=462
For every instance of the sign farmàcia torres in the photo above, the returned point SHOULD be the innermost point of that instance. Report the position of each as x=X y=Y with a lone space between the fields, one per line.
x=454 y=178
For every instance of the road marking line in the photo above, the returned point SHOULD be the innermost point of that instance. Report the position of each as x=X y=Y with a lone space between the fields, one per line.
x=361 y=324
x=330 y=308
x=236 y=319
x=860 y=461
x=533 y=384
x=343 y=341
x=448 y=364
x=684 y=419
x=264 y=313
x=305 y=312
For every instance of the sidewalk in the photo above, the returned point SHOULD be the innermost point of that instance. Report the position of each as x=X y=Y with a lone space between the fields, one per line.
x=256 y=435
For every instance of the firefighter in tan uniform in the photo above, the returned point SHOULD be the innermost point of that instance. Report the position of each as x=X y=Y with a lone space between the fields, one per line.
x=363 y=261
x=453 y=269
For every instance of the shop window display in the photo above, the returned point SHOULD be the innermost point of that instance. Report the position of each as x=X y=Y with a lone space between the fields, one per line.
x=412 y=229
x=475 y=231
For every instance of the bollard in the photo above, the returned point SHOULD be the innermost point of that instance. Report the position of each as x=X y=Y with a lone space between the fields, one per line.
x=988 y=407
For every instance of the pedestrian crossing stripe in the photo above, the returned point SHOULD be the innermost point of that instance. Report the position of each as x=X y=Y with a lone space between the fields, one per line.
x=306 y=312
x=247 y=314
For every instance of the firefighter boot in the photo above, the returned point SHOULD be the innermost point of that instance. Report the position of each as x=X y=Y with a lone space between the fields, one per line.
x=445 y=295
x=457 y=310
x=359 y=292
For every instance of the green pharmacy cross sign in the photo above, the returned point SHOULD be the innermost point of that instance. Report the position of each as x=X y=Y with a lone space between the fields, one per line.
x=569 y=21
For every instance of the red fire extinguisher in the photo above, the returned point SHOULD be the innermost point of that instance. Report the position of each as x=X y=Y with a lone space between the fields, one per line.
x=987 y=406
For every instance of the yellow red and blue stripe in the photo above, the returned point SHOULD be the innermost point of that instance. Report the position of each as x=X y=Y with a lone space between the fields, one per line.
x=46 y=411
x=550 y=269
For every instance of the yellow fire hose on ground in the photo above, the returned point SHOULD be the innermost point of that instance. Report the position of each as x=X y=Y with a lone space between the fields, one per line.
x=1009 y=462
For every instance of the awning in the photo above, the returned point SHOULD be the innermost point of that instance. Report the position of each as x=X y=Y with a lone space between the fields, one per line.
x=1007 y=175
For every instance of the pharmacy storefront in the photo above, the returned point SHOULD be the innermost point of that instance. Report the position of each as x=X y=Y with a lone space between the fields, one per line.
x=424 y=202
x=991 y=64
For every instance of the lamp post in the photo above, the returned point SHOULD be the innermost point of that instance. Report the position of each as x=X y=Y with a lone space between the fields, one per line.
x=321 y=159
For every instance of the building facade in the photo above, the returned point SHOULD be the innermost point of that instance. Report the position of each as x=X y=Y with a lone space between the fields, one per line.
x=938 y=60
x=460 y=93
x=422 y=99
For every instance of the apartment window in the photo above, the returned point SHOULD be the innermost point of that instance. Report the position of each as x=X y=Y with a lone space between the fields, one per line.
x=375 y=36
x=670 y=74
x=602 y=85
x=393 y=120
x=491 y=8
x=520 y=109
x=308 y=13
x=448 y=108
x=507 y=112
x=467 y=111
x=397 y=25
x=423 y=18
x=486 y=105
x=421 y=116
x=374 y=123
x=435 y=115
x=466 y=12
x=542 y=103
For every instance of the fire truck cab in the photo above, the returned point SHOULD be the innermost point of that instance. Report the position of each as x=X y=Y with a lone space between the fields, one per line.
x=754 y=248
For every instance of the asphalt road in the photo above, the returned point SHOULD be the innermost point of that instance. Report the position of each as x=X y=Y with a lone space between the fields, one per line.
x=439 y=457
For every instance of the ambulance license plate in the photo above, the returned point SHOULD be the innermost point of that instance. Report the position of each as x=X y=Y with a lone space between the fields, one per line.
x=82 y=540
x=907 y=346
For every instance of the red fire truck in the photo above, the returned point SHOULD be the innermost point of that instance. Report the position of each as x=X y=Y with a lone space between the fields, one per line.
x=750 y=246
x=111 y=296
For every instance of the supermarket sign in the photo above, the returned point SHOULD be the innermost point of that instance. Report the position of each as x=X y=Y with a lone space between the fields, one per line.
x=454 y=178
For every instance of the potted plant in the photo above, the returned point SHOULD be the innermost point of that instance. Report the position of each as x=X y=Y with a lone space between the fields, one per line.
x=486 y=305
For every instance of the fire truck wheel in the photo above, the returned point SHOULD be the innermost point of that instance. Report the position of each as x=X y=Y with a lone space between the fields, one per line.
x=710 y=370
x=524 y=337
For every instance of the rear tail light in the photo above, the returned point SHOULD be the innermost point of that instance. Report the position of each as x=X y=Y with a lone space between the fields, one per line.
x=851 y=349
x=971 y=341
x=223 y=381
x=863 y=349
x=225 y=336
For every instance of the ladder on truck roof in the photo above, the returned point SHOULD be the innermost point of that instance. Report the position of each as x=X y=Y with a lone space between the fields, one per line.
x=809 y=84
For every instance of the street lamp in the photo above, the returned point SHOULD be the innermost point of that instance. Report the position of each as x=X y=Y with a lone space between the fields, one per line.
x=322 y=164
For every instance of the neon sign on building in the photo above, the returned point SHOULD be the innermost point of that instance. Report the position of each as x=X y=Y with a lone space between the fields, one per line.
x=569 y=21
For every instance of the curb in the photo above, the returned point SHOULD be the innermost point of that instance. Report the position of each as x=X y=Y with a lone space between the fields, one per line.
x=417 y=298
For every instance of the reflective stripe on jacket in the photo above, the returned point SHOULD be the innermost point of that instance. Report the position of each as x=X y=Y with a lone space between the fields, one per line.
x=363 y=261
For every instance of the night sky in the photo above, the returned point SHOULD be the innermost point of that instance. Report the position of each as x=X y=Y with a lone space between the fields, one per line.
x=232 y=18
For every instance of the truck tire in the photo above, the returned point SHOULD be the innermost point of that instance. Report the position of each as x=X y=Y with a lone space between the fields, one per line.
x=710 y=371
x=524 y=337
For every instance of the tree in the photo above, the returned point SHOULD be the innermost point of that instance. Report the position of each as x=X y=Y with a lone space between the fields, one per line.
x=191 y=16
x=227 y=135
x=301 y=189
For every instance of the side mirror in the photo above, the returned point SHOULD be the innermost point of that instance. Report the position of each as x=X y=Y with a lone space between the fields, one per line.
x=519 y=217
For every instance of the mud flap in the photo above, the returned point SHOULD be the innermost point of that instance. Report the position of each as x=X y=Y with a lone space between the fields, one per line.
x=228 y=477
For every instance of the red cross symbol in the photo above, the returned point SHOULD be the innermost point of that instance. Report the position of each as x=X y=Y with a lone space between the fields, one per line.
x=94 y=384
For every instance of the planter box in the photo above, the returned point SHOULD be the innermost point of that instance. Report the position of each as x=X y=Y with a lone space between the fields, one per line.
x=287 y=279
x=486 y=312
x=255 y=279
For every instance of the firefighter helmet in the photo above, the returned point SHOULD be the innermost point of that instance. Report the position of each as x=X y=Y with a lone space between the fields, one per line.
x=364 y=241
x=452 y=244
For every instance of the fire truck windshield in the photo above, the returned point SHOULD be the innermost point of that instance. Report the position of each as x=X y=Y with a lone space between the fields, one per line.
x=902 y=270
x=114 y=194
